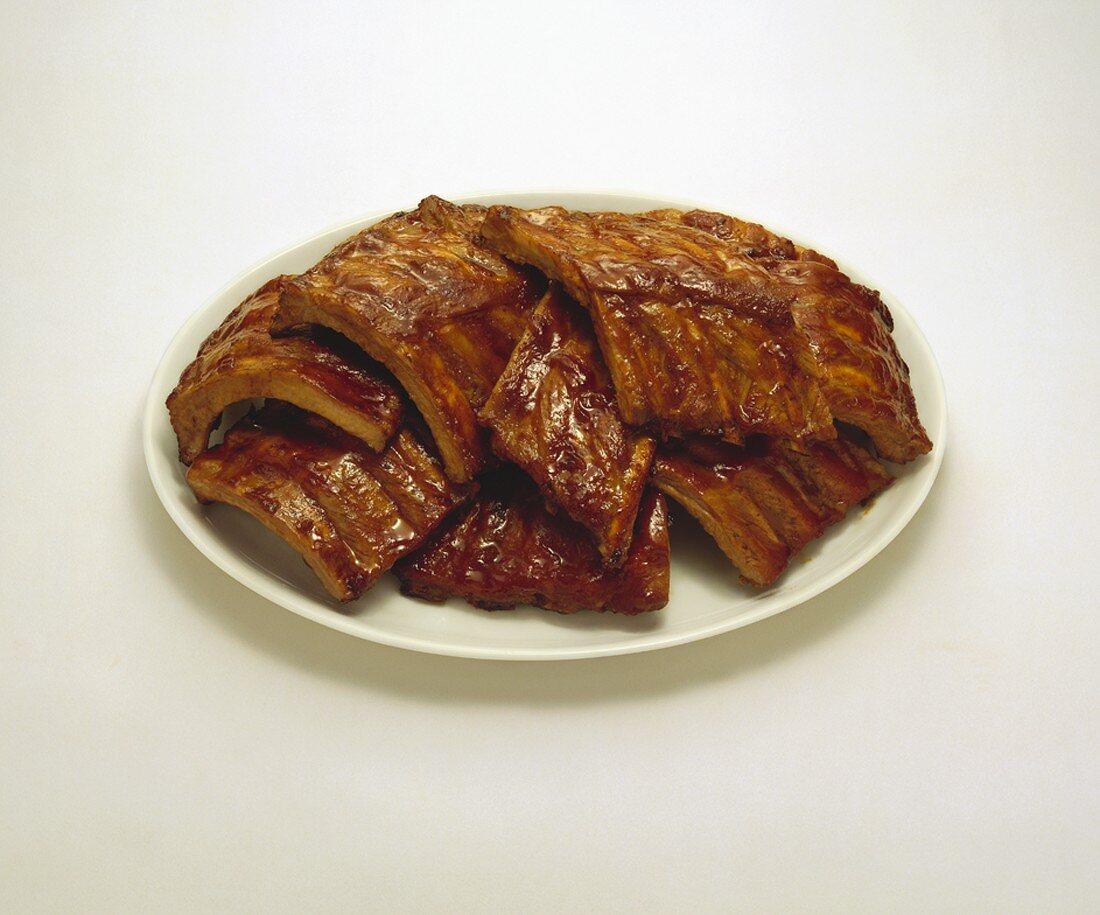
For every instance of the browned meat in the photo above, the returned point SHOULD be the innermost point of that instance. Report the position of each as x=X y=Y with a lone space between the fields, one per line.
x=553 y=413
x=320 y=372
x=349 y=511
x=765 y=501
x=423 y=296
x=697 y=336
x=507 y=549
x=751 y=238
x=847 y=330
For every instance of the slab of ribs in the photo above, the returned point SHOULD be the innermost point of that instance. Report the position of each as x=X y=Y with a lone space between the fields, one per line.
x=350 y=512
x=494 y=402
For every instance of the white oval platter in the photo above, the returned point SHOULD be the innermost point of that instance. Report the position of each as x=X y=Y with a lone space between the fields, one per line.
x=706 y=598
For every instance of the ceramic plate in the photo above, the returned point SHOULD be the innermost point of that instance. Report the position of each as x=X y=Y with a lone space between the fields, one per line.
x=706 y=598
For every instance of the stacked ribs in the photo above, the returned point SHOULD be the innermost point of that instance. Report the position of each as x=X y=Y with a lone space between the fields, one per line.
x=494 y=402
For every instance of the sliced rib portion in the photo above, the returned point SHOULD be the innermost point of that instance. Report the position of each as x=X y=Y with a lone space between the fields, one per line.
x=421 y=294
x=697 y=337
x=765 y=501
x=320 y=372
x=350 y=513
x=847 y=330
x=553 y=413
x=507 y=549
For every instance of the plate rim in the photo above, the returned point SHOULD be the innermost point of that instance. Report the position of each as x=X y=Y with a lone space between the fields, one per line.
x=260 y=582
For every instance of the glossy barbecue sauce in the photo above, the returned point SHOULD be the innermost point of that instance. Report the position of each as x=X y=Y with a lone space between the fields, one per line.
x=442 y=311
x=241 y=359
x=766 y=500
x=696 y=336
x=347 y=509
x=508 y=549
x=553 y=413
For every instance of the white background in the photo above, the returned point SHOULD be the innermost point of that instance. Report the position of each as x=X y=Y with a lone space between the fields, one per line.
x=922 y=737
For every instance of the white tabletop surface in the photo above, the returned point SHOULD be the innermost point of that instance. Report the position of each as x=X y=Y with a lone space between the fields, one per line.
x=924 y=737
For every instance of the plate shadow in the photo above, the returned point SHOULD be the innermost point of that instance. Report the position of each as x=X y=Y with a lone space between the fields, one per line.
x=317 y=651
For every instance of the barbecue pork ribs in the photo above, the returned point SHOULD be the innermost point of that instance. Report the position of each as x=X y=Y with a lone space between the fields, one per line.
x=421 y=294
x=847 y=331
x=350 y=513
x=734 y=348
x=506 y=549
x=766 y=500
x=697 y=337
x=553 y=413
x=320 y=372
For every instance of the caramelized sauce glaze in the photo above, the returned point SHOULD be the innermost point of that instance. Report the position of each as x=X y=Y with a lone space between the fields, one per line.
x=241 y=360
x=506 y=549
x=696 y=336
x=422 y=294
x=846 y=331
x=764 y=501
x=553 y=413
x=350 y=512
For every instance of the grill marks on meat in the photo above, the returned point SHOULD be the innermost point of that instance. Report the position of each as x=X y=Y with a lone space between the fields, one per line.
x=421 y=294
x=763 y=502
x=350 y=512
x=697 y=337
x=553 y=413
x=507 y=549
x=319 y=372
x=847 y=332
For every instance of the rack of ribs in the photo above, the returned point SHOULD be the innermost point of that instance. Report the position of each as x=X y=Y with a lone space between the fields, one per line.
x=553 y=413
x=349 y=511
x=423 y=295
x=506 y=549
x=847 y=328
x=766 y=500
x=317 y=371
x=697 y=337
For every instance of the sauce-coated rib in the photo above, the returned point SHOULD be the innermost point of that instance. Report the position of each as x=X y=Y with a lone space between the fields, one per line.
x=507 y=549
x=422 y=295
x=349 y=512
x=751 y=238
x=765 y=501
x=697 y=337
x=847 y=330
x=553 y=413
x=320 y=372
